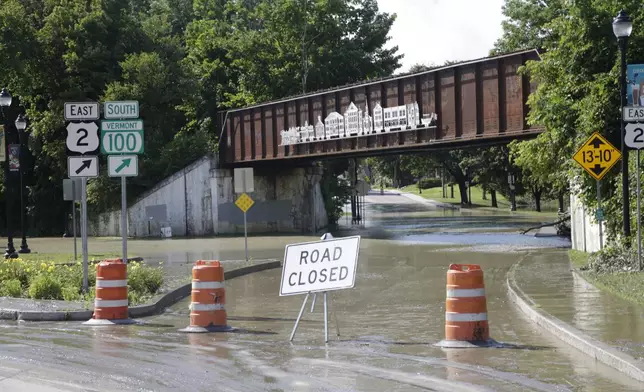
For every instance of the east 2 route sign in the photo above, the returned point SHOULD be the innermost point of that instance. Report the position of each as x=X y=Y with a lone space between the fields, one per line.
x=597 y=156
x=122 y=136
x=320 y=266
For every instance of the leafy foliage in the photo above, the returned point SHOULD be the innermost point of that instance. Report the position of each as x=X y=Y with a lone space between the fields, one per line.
x=578 y=92
x=184 y=61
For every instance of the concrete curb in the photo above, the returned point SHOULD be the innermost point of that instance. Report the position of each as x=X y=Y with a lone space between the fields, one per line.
x=129 y=260
x=138 y=311
x=435 y=203
x=574 y=337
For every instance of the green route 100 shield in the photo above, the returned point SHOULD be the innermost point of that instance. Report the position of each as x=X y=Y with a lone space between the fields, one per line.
x=122 y=137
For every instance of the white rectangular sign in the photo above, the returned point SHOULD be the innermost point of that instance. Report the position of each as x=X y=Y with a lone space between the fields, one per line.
x=123 y=165
x=243 y=177
x=122 y=126
x=311 y=267
x=77 y=111
x=121 y=109
x=82 y=166
x=633 y=113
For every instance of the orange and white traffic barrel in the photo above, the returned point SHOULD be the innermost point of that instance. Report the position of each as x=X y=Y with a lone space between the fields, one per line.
x=208 y=299
x=111 y=305
x=466 y=322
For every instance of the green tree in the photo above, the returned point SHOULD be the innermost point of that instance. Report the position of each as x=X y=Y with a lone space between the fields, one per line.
x=578 y=91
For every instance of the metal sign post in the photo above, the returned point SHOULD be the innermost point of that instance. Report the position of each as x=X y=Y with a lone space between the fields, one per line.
x=305 y=271
x=244 y=182
x=74 y=218
x=597 y=156
x=634 y=138
x=244 y=203
x=82 y=138
x=122 y=133
x=84 y=233
x=124 y=217
x=600 y=215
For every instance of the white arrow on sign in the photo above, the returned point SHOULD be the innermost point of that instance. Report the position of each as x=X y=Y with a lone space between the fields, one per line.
x=82 y=137
x=123 y=165
x=86 y=166
x=634 y=137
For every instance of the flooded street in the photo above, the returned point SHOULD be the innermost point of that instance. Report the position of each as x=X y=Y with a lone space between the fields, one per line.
x=388 y=323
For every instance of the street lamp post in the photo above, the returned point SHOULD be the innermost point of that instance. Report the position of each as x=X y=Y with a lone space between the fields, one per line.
x=21 y=125
x=622 y=28
x=5 y=101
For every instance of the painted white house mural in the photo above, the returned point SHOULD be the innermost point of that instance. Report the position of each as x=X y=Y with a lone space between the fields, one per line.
x=357 y=122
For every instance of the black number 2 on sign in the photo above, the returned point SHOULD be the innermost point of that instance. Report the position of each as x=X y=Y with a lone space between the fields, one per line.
x=634 y=137
x=82 y=137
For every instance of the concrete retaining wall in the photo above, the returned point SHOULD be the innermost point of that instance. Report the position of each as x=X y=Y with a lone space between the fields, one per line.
x=584 y=228
x=200 y=200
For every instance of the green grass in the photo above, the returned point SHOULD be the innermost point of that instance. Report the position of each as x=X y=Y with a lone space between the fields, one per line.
x=626 y=285
x=60 y=258
x=478 y=202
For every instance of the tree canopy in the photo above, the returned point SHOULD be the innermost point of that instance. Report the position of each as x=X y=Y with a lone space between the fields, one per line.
x=184 y=61
x=578 y=92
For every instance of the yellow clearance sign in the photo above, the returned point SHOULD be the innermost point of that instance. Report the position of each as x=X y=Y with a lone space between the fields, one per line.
x=244 y=202
x=597 y=156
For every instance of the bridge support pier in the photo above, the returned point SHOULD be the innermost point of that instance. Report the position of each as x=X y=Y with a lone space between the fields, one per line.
x=287 y=200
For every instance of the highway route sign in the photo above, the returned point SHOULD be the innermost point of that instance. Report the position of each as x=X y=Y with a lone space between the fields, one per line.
x=122 y=136
x=244 y=202
x=82 y=137
x=633 y=113
x=79 y=111
x=327 y=265
x=634 y=137
x=121 y=109
x=82 y=166
x=597 y=156
x=123 y=165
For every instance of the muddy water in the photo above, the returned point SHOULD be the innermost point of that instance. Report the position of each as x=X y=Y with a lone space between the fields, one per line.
x=388 y=324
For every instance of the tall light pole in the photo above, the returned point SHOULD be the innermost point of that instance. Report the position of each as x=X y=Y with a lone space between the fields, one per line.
x=622 y=28
x=5 y=101
x=21 y=125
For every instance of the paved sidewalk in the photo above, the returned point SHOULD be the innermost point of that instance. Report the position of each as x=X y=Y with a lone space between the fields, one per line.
x=547 y=278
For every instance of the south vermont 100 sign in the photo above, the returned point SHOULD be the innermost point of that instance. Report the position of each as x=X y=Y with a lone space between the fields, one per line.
x=122 y=136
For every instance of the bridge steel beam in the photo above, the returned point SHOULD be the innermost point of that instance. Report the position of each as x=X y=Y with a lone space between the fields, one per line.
x=477 y=103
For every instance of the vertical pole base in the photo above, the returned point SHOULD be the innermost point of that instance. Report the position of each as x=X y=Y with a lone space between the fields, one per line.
x=24 y=248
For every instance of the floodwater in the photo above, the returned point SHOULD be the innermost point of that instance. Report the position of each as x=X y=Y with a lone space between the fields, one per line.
x=388 y=324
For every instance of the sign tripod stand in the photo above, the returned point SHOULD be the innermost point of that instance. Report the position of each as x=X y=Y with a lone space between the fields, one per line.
x=326 y=317
x=325 y=237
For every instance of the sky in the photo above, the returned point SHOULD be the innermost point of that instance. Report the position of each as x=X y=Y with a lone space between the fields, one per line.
x=433 y=31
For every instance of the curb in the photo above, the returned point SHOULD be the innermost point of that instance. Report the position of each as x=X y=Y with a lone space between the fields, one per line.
x=572 y=336
x=434 y=203
x=138 y=311
x=129 y=260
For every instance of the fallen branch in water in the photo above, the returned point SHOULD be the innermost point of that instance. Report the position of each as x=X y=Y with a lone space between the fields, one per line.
x=547 y=224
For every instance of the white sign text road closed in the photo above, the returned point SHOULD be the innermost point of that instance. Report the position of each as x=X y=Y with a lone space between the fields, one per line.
x=320 y=266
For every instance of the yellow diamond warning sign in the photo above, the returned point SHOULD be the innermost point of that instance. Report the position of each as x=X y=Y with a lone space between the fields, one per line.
x=244 y=202
x=597 y=156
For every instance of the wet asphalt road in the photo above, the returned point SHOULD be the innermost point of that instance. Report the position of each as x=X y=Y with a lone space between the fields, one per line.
x=388 y=323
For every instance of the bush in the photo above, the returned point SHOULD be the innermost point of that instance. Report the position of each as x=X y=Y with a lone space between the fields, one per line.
x=45 y=287
x=426 y=183
x=143 y=281
x=45 y=280
x=614 y=258
x=11 y=288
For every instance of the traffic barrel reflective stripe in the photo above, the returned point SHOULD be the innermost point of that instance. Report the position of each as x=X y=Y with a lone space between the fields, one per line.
x=111 y=301
x=208 y=297
x=466 y=305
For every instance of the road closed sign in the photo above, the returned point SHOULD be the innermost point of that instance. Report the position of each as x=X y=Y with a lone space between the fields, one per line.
x=312 y=267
